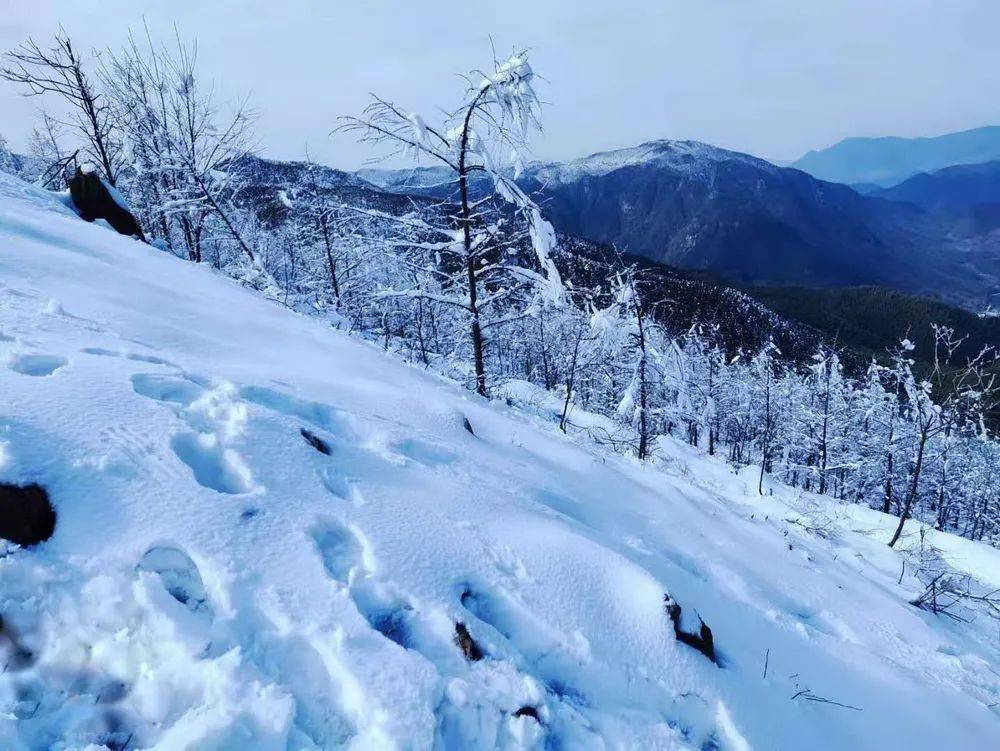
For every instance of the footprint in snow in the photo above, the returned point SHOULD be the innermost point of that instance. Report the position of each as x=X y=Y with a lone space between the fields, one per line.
x=135 y=357
x=346 y=555
x=215 y=419
x=166 y=388
x=179 y=575
x=348 y=560
x=453 y=646
x=422 y=452
x=342 y=486
x=215 y=466
x=36 y=364
x=329 y=419
x=151 y=359
x=553 y=657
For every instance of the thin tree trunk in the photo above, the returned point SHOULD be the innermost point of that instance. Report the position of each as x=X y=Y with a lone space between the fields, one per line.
x=912 y=494
x=643 y=425
x=570 y=380
x=329 y=259
x=470 y=262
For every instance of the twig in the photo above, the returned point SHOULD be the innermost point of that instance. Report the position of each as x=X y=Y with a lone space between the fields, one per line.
x=809 y=696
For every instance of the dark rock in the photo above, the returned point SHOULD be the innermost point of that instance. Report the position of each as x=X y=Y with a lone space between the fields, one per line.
x=527 y=711
x=467 y=644
x=94 y=199
x=315 y=441
x=15 y=656
x=26 y=515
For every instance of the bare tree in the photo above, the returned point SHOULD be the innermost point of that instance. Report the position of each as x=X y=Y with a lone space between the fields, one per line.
x=60 y=70
x=186 y=155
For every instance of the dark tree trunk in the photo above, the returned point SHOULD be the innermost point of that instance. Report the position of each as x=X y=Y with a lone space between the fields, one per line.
x=912 y=494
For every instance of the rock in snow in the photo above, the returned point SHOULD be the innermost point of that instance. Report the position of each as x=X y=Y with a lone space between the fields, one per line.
x=216 y=582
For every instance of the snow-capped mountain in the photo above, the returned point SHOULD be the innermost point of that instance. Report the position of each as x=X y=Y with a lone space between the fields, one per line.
x=691 y=157
x=415 y=180
x=273 y=536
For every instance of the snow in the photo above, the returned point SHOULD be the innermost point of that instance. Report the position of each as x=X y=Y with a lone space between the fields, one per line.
x=686 y=157
x=216 y=582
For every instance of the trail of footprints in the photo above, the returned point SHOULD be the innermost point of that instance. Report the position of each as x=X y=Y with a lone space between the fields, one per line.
x=485 y=631
x=38 y=364
x=482 y=629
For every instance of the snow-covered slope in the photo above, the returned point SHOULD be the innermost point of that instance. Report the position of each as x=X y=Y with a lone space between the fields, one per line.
x=217 y=582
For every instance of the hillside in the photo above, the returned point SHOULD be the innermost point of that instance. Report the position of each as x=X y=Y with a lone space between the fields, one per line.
x=890 y=160
x=270 y=187
x=871 y=320
x=272 y=536
x=950 y=189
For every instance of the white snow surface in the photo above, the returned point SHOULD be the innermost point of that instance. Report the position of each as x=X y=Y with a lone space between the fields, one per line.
x=215 y=582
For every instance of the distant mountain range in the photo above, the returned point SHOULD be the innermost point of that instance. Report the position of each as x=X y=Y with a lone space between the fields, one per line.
x=885 y=162
x=955 y=188
x=695 y=206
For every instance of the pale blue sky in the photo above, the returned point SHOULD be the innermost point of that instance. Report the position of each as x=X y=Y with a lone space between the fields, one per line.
x=771 y=77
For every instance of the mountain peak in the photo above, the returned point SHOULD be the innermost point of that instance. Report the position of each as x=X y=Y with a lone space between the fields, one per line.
x=678 y=155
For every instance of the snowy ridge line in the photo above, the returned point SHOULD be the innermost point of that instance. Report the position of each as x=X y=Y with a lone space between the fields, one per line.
x=679 y=155
x=682 y=156
x=216 y=580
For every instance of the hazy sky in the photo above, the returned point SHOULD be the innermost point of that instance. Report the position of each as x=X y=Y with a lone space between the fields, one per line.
x=771 y=77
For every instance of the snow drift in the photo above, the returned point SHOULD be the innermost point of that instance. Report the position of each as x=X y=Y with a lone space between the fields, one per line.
x=271 y=536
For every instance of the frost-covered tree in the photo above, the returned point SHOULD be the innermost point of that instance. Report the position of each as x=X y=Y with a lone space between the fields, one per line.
x=474 y=248
x=632 y=355
x=7 y=162
x=765 y=384
x=181 y=155
x=964 y=391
